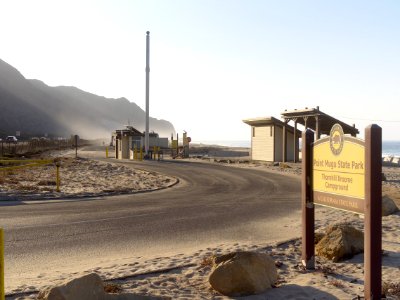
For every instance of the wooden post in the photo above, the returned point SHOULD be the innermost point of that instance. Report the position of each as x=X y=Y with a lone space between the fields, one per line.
x=373 y=213
x=177 y=144
x=295 y=142
x=2 y=292
x=305 y=123
x=307 y=203
x=317 y=128
x=284 y=141
x=76 y=145
x=58 y=177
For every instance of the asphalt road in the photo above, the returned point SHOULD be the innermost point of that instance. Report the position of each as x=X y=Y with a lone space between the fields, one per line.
x=212 y=204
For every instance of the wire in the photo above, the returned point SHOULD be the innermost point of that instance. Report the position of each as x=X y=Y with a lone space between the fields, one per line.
x=371 y=120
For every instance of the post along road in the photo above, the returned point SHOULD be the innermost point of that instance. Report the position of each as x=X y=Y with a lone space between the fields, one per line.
x=212 y=204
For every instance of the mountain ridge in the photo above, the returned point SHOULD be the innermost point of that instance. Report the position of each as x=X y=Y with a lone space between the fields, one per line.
x=36 y=109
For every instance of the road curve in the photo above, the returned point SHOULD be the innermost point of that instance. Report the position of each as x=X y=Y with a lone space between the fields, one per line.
x=212 y=204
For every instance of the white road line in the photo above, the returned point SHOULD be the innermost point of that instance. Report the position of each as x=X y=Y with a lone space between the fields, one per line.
x=88 y=221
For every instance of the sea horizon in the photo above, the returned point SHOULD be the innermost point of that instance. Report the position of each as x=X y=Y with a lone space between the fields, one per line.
x=389 y=148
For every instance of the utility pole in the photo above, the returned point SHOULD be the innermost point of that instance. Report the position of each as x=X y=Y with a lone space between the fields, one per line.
x=146 y=136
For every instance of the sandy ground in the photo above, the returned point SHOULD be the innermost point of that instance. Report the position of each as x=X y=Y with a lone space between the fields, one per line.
x=183 y=275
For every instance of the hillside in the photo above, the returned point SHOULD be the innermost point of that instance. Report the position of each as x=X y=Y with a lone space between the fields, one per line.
x=34 y=108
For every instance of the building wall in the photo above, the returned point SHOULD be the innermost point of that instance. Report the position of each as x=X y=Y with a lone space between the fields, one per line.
x=278 y=143
x=262 y=143
x=125 y=147
x=117 y=149
x=290 y=146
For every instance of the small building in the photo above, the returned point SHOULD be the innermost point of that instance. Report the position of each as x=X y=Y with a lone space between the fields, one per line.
x=128 y=139
x=267 y=136
x=156 y=141
x=277 y=141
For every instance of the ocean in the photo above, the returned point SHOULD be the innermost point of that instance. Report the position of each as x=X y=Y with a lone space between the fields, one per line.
x=389 y=148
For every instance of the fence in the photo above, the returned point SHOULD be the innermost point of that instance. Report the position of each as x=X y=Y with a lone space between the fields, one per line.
x=2 y=292
x=32 y=146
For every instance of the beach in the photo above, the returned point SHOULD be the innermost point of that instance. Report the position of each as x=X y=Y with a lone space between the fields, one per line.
x=183 y=273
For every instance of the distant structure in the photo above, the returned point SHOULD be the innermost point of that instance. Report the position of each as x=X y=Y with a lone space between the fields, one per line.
x=125 y=140
x=129 y=139
x=277 y=141
x=266 y=139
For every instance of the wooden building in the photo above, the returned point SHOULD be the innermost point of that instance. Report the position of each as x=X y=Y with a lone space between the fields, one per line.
x=277 y=141
x=267 y=135
x=125 y=140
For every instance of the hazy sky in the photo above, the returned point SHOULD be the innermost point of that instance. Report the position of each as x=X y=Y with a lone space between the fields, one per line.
x=214 y=63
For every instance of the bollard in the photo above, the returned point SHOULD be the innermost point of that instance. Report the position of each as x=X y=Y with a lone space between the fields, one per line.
x=134 y=152
x=141 y=153
x=76 y=146
x=58 y=176
x=106 y=152
x=2 y=293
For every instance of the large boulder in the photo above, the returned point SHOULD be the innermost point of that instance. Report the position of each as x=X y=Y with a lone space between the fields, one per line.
x=243 y=273
x=388 y=206
x=88 y=287
x=340 y=242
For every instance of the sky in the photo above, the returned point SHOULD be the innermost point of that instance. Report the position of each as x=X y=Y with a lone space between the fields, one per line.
x=214 y=63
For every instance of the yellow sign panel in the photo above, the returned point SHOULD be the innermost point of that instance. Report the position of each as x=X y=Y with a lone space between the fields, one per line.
x=339 y=171
x=174 y=144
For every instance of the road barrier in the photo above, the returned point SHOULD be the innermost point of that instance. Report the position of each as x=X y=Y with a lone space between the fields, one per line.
x=26 y=163
x=2 y=293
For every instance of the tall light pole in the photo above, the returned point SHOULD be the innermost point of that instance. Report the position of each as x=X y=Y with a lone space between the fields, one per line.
x=146 y=135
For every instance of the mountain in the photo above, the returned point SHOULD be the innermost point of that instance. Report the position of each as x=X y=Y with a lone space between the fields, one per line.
x=34 y=108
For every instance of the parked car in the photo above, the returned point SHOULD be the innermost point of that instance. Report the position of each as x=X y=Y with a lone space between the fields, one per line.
x=11 y=139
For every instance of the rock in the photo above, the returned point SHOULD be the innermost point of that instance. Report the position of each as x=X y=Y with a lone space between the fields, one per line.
x=88 y=287
x=388 y=206
x=283 y=165
x=383 y=177
x=243 y=273
x=341 y=241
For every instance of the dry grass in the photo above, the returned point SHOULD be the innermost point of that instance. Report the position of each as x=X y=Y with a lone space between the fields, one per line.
x=46 y=182
x=207 y=261
x=336 y=283
x=391 y=289
x=112 y=288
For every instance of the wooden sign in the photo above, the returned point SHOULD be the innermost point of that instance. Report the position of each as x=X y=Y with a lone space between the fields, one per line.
x=339 y=171
x=345 y=172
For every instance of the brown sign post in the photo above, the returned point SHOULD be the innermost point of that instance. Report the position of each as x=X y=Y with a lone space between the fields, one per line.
x=344 y=172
